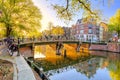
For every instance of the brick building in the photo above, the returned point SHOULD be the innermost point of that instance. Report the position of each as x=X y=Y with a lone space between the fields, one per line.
x=86 y=29
x=104 y=35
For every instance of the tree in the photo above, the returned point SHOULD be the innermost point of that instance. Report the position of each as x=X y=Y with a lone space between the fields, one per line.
x=114 y=22
x=57 y=30
x=69 y=9
x=19 y=18
x=114 y=67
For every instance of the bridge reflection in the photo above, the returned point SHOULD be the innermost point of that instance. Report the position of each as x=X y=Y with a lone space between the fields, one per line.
x=81 y=62
x=90 y=68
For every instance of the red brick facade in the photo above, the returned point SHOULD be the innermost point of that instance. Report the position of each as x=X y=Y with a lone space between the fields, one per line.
x=86 y=30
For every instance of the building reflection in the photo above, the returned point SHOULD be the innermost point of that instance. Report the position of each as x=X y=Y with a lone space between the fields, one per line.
x=88 y=67
x=84 y=64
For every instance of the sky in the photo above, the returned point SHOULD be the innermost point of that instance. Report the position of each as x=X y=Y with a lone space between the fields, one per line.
x=49 y=14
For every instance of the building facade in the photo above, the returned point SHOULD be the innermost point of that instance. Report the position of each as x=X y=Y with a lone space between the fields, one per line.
x=86 y=29
x=104 y=34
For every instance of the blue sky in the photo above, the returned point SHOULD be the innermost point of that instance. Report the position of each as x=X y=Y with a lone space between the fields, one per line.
x=49 y=14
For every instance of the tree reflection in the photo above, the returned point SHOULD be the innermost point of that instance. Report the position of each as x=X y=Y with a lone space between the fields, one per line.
x=114 y=66
x=83 y=63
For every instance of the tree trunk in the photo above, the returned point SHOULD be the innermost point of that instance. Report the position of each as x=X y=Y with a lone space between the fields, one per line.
x=8 y=31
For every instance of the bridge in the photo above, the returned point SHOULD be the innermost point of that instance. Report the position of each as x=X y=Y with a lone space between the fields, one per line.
x=32 y=42
x=36 y=41
x=59 y=43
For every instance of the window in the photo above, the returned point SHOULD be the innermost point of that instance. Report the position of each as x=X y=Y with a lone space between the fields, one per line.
x=90 y=26
x=81 y=36
x=97 y=31
x=81 y=31
x=79 y=21
x=90 y=31
x=81 y=26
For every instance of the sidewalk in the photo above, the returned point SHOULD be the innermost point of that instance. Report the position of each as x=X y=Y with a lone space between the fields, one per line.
x=22 y=71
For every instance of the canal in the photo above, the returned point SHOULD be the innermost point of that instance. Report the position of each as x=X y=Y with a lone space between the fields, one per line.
x=83 y=65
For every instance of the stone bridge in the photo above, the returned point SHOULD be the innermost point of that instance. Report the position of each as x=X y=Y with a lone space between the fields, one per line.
x=30 y=43
x=59 y=44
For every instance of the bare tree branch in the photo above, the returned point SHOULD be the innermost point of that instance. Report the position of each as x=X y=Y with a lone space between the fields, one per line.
x=66 y=7
x=68 y=15
x=81 y=2
x=85 y=6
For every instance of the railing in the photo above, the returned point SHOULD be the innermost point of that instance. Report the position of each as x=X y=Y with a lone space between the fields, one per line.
x=37 y=69
x=24 y=40
x=51 y=39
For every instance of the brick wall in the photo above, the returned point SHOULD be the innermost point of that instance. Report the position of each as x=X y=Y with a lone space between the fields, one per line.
x=26 y=51
x=112 y=47
x=98 y=47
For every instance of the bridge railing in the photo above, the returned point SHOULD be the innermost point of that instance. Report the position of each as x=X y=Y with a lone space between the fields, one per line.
x=25 y=40
x=50 y=39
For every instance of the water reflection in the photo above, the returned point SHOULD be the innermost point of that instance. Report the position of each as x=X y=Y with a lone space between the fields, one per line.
x=86 y=70
x=81 y=66
x=39 y=55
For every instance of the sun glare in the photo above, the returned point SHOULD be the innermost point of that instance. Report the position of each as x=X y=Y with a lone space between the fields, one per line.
x=39 y=55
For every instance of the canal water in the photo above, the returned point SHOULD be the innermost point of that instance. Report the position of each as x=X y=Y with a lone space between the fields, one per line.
x=83 y=65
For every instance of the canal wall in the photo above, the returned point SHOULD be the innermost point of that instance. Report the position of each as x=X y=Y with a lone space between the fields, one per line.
x=98 y=47
x=112 y=47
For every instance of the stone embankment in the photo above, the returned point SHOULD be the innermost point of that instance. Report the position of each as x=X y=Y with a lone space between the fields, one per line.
x=112 y=47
